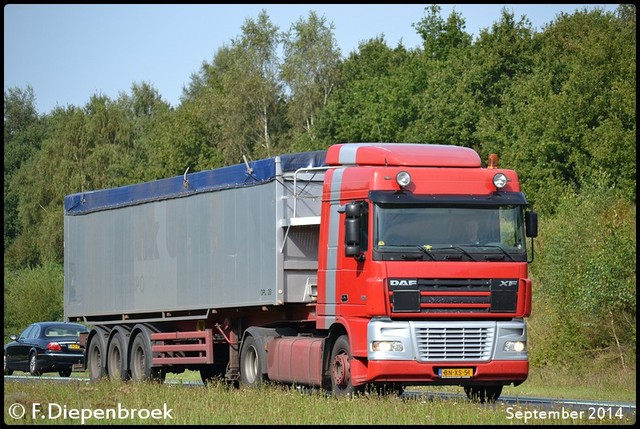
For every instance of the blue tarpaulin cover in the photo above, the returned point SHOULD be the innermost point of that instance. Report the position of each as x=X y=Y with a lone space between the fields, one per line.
x=233 y=176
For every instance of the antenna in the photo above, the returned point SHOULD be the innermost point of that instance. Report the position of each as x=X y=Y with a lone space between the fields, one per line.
x=249 y=169
x=185 y=181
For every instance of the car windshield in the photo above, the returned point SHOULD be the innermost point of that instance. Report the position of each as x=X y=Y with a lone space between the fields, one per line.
x=63 y=331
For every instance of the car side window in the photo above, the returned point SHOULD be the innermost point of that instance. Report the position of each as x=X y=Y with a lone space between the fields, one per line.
x=26 y=333
x=34 y=332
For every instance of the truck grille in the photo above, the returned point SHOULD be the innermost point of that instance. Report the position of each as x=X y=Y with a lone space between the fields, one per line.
x=453 y=295
x=454 y=343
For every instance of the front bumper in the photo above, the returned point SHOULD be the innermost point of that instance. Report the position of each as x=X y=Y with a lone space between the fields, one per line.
x=416 y=373
x=421 y=349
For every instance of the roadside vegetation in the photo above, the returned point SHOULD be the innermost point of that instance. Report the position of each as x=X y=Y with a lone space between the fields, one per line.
x=558 y=106
x=216 y=404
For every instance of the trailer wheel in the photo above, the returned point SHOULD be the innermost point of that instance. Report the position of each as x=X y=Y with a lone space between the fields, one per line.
x=483 y=394
x=250 y=364
x=340 y=367
x=96 y=352
x=117 y=358
x=140 y=358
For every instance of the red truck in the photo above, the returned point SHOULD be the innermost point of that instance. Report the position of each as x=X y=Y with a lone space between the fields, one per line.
x=365 y=266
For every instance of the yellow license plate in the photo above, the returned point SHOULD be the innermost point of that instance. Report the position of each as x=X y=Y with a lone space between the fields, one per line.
x=456 y=372
x=74 y=346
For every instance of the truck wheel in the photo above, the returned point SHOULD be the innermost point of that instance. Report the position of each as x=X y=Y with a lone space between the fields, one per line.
x=96 y=352
x=483 y=394
x=340 y=367
x=250 y=364
x=34 y=369
x=140 y=359
x=117 y=358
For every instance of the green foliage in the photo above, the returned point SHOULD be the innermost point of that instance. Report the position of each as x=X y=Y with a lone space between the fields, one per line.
x=32 y=295
x=23 y=134
x=373 y=103
x=310 y=70
x=586 y=274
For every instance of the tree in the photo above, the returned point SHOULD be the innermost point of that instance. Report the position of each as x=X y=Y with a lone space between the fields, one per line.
x=23 y=134
x=570 y=122
x=310 y=70
x=373 y=100
x=439 y=37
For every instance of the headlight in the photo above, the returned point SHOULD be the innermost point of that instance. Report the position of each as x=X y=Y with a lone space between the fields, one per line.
x=387 y=346
x=515 y=346
x=403 y=179
x=500 y=180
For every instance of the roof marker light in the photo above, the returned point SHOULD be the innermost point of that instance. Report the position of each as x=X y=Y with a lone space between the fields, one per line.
x=403 y=179
x=500 y=180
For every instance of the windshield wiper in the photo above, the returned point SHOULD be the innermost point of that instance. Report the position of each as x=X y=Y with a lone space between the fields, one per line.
x=426 y=252
x=414 y=256
x=452 y=246
x=494 y=246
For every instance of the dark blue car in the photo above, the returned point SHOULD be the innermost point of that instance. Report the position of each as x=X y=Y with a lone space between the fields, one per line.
x=45 y=347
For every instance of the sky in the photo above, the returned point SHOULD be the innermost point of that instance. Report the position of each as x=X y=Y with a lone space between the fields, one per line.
x=69 y=52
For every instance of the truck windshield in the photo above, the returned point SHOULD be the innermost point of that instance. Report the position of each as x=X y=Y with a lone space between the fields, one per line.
x=488 y=229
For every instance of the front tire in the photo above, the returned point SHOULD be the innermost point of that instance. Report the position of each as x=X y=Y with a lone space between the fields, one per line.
x=250 y=364
x=340 y=368
x=483 y=394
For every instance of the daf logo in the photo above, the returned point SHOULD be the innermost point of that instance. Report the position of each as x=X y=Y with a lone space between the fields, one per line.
x=403 y=282
x=508 y=283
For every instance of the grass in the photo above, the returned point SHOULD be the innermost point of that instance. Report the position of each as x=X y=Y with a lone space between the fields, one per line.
x=132 y=403
x=217 y=404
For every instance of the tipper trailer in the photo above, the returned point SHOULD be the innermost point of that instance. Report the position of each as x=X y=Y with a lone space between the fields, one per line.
x=368 y=265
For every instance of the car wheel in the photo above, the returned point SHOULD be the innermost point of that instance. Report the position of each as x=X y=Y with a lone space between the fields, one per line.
x=65 y=372
x=33 y=365
x=7 y=371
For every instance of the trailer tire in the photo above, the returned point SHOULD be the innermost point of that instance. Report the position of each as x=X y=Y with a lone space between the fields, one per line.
x=250 y=363
x=95 y=355
x=140 y=358
x=117 y=358
x=340 y=368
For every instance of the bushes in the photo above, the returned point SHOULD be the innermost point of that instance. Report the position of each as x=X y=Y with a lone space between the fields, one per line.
x=32 y=295
x=585 y=273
